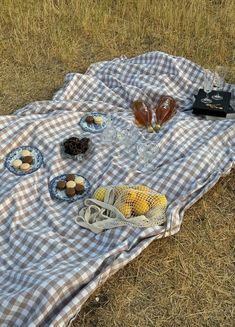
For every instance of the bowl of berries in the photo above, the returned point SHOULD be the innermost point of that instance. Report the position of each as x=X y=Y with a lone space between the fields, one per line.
x=76 y=147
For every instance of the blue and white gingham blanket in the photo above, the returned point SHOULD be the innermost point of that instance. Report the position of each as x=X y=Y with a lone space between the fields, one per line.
x=49 y=265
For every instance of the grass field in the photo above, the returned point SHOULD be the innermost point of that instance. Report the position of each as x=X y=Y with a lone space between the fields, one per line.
x=185 y=280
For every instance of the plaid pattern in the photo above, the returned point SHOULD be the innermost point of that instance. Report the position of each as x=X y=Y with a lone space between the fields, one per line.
x=49 y=265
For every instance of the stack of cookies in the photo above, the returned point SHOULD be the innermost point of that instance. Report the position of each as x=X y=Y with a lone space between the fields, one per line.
x=25 y=161
x=72 y=185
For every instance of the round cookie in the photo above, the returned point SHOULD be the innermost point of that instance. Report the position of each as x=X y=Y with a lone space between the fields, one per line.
x=25 y=167
x=98 y=120
x=61 y=185
x=90 y=120
x=70 y=177
x=70 y=184
x=79 y=188
x=79 y=180
x=26 y=153
x=27 y=159
x=70 y=192
x=17 y=163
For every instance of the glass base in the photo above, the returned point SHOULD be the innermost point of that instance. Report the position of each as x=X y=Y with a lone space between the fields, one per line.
x=141 y=170
x=217 y=97
x=142 y=166
x=206 y=100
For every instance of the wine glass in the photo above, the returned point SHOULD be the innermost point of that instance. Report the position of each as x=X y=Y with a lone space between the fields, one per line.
x=219 y=76
x=109 y=134
x=146 y=153
x=141 y=148
x=120 y=135
x=127 y=137
x=207 y=85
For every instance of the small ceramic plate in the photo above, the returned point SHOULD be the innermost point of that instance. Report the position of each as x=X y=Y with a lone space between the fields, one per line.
x=15 y=154
x=93 y=128
x=61 y=195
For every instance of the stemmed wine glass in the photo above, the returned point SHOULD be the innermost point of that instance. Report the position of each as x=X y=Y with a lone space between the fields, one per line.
x=147 y=152
x=219 y=76
x=127 y=137
x=207 y=85
x=109 y=134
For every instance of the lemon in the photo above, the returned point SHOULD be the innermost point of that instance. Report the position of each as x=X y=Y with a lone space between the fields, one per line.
x=159 y=200
x=100 y=193
x=129 y=196
x=125 y=209
x=119 y=189
x=141 y=207
x=143 y=188
x=142 y=196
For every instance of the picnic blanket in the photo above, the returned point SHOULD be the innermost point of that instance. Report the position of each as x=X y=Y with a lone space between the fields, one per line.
x=50 y=265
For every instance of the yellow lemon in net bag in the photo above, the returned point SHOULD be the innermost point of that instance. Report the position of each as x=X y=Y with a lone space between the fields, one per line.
x=159 y=200
x=142 y=196
x=120 y=189
x=100 y=193
x=143 y=188
x=141 y=207
x=125 y=209
x=129 y=195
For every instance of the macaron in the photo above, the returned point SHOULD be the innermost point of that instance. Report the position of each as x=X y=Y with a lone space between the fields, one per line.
x=70 y=184
x=25 y=166
x=98 y=120
x=17 y=163
x=79 y=180
x=26 y=153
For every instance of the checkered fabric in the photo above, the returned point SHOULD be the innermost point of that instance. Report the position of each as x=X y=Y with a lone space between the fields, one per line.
x=49 y=265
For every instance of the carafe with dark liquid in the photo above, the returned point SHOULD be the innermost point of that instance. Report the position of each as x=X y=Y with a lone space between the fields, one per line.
x=164 y=110
x=143 y=115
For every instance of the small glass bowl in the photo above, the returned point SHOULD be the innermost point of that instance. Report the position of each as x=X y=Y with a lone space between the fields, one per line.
x=80 y=156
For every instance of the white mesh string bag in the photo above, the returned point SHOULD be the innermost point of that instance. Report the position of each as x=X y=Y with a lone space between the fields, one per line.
x=115 y=206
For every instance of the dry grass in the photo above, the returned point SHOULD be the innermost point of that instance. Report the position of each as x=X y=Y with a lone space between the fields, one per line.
x=41 y=40
x=186 y=280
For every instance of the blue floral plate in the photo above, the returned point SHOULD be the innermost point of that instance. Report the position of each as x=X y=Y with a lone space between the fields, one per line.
x=93 y=128
x=15 y=154
x=61 y=195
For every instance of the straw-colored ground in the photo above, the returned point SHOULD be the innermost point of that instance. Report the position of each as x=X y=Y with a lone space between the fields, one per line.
x=185 y=280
